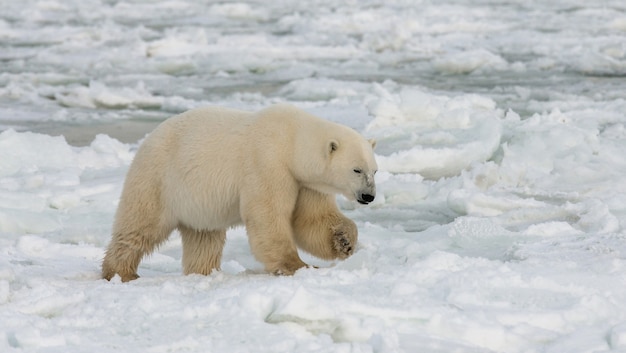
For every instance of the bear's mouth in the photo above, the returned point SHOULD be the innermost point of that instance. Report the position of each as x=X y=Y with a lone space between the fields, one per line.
x=362 y=202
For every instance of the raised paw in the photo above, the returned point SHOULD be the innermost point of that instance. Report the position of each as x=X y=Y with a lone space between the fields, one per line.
x=342 y=244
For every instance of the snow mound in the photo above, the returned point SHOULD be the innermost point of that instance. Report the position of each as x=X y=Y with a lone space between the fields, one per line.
x=43 y=174
x=469 y=61
x=435 y=136
x=98 y=94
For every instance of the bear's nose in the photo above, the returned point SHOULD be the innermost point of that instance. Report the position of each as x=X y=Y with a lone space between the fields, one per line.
x=366 y=198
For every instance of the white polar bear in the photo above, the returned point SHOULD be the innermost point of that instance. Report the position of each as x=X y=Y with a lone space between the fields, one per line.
x=209 y=169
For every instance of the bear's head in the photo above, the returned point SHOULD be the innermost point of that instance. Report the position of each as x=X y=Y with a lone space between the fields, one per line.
x=342 y=163
x=352 y=168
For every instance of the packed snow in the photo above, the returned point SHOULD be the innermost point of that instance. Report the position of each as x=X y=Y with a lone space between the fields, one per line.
x=499 y=224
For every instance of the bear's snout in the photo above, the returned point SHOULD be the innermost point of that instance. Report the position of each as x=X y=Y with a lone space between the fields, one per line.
x=364 y=199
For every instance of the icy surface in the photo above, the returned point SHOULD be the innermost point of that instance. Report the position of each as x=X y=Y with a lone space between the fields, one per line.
x=499 y=224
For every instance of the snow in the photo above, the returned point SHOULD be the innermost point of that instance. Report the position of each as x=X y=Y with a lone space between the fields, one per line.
x=499 y=224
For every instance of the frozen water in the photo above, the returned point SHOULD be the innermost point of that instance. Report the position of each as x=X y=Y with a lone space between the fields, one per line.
x=499 y=225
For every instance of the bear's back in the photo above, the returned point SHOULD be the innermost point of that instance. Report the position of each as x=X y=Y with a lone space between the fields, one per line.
x=203 y=176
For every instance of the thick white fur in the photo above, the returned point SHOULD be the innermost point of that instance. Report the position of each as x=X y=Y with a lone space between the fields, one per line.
x=209 y=169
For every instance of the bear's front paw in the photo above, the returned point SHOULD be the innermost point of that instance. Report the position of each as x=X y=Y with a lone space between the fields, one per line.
x=288 y=268
x=342 y=244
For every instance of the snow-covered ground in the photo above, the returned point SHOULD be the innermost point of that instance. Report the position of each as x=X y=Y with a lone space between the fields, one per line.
x=499 y=224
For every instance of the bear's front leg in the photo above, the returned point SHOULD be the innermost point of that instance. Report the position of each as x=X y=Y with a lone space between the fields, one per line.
x=320 y=228
x=273 y=245
x=267 y=219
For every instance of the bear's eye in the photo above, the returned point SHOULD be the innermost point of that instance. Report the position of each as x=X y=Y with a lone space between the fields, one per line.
x=357 y=170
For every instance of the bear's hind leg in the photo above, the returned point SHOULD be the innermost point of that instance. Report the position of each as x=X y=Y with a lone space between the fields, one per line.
x=127 y=248
x=202 y=249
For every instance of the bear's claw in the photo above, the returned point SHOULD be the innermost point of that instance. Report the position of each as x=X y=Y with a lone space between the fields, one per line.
x=287 y=267
x=125 y=278
x=342 y=245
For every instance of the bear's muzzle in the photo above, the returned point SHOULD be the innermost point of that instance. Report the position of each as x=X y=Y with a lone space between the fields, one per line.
x=364 y=199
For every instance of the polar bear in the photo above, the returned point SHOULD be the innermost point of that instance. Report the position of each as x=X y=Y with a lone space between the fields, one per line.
x=275 y=171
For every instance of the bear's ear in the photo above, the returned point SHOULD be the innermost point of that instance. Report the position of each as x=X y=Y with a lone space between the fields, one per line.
x=372 y=142
x=333 y=145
